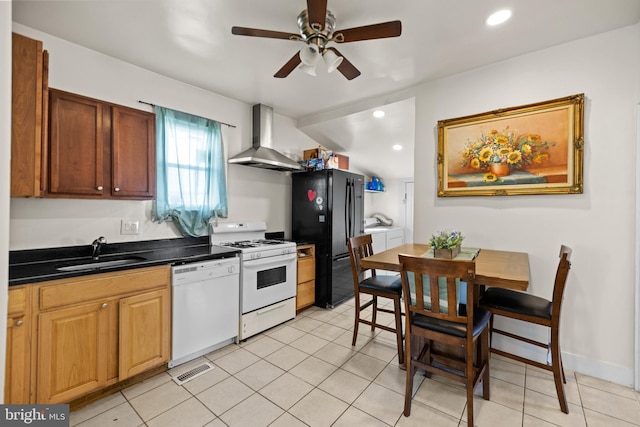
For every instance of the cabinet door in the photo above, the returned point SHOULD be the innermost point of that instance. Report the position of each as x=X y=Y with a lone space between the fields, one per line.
x=145 y=322
x=395 y=238
x=72 y=352
x=16 y=388
x=28 y=87
x=18 y=355
x=133 y=153
x=76 y=145
x=378 y=242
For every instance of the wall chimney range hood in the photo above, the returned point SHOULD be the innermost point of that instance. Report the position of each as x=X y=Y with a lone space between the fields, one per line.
x=261 y=155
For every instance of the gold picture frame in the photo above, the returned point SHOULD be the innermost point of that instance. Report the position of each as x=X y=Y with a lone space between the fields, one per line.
x=531 y=149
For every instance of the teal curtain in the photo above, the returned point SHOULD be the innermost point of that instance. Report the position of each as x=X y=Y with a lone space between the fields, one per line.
x=190 y=177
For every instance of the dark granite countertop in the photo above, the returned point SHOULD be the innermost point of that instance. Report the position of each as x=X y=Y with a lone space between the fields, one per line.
x=39 y=265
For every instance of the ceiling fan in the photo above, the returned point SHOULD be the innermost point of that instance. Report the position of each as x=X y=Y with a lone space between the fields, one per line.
x=317 y=29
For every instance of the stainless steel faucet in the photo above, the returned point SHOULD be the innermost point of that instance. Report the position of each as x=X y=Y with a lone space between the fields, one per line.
x=97 y=246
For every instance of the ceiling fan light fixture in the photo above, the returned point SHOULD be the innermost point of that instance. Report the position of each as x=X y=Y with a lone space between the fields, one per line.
x=332 y=60
x=309 y=55
x=309 y=69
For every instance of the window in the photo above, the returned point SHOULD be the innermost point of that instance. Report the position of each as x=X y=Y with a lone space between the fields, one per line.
x=191 y=182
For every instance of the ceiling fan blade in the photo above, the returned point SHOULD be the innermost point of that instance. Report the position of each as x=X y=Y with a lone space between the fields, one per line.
x=289 y=66
x=317 y=11
x=368 y=32
x=346 y=68
x=253 y=32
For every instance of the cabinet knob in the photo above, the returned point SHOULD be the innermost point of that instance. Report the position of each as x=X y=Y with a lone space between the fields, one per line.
x=19 y=323
x=99 y=187
x=117 y=189
x=104 y=305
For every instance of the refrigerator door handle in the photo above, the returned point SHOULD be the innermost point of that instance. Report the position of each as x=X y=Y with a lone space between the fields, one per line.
x=352 y=207
x=348 y=208
x=346 y=212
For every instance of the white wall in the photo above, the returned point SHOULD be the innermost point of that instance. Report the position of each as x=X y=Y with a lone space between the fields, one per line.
x=598 y=312
x=5 y=167
x=254 y=194
x=385 y=203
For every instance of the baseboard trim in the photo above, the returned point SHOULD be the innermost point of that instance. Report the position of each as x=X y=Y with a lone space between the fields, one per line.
x=572 y=362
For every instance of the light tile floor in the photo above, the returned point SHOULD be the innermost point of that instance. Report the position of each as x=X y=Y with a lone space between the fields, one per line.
x=305 y=373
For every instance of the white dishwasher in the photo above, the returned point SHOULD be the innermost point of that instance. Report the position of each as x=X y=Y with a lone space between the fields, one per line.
x=206 y=307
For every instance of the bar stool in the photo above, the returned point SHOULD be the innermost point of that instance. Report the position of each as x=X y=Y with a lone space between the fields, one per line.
x=530 y=308
x=375 y=286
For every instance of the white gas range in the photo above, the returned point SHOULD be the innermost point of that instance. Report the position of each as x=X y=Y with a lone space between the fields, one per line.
x=267 y=275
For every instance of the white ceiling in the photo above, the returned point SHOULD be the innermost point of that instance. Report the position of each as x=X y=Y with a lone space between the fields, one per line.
x=191 y=41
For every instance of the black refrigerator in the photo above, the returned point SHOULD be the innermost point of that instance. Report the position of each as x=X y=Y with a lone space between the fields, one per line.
x=327 y=208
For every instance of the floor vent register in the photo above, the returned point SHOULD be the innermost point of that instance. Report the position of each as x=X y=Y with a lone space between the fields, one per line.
x=193 y=373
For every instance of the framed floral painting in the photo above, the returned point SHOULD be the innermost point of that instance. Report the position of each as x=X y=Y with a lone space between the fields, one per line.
x=530 y=149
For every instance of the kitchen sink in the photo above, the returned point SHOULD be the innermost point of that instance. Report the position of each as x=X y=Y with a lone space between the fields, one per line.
x=97 y=265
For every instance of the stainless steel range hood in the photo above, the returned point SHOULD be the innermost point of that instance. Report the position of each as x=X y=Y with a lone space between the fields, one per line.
x=261 y=155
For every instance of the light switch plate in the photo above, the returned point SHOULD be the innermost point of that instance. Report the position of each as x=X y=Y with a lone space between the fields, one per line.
x=129 y=226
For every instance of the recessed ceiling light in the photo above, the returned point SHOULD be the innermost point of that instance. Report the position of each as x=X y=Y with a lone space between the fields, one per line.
x=378 y=114
x=498 y=17
x=397 y=147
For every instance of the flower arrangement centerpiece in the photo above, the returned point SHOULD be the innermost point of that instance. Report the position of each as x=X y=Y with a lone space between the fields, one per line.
x=499 y=152
x=446 y=244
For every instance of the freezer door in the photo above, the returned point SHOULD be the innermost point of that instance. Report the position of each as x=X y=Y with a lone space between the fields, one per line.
x=342 y=280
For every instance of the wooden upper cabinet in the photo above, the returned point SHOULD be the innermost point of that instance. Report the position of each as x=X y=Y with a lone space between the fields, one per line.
x=133 y=153
x=28 y=113
x=76 y=145
x=100 y=150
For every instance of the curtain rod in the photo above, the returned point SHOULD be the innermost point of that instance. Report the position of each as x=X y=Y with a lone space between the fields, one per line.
x=222 y=123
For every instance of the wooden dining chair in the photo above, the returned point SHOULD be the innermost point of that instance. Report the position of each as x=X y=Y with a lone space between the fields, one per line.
x=530 y=308
x=374 y=286
x=431 y=289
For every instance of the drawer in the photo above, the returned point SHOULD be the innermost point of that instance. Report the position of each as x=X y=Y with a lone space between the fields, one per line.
x=65 y=292
x=265 y=318
x=306 y=294
x=17 y=301
x=306 y=269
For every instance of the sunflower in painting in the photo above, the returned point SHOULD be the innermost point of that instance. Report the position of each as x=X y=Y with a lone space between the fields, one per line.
x=504 y=147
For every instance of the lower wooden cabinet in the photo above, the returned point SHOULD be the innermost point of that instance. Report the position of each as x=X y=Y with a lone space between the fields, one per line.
x=145 y=325
x=306 y=283
x=18 y=356
x=72 y=351
x=91 y=332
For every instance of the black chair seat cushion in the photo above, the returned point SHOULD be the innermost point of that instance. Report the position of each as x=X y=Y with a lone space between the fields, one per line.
x=481 y=319
x=516 y=302
x=388 y=284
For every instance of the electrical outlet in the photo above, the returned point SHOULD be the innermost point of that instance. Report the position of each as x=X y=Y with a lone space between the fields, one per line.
x=129 y=226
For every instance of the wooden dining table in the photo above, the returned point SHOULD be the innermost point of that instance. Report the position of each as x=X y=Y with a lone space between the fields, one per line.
x=504 y=269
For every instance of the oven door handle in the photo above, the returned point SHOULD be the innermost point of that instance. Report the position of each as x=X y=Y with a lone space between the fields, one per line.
x=269 y=260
